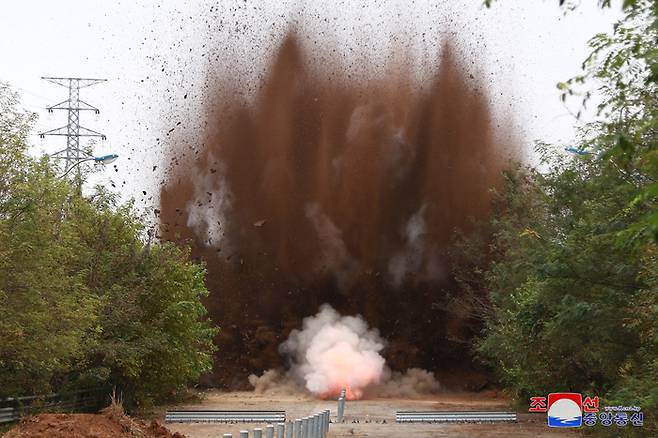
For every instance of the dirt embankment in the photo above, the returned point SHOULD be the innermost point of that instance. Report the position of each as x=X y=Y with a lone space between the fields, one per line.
x=111 y=422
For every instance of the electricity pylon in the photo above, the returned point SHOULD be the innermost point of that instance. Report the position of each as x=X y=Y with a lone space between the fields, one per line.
x=72 y=131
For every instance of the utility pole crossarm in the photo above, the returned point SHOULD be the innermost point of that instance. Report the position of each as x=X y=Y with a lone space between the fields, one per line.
x=57 y=131
x=64 y=82
x=85 y=132
x=82 y=132
x=66 y=105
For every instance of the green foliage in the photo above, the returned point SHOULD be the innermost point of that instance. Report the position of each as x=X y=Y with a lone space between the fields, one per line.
x=572 y=306
x=571 y=269
x=84 y=299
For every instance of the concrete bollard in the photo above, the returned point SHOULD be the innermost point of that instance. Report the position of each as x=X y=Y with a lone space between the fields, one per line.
x=341 y=409
x=280 y=428
x=258 y=432
x=297 y=429
x=328 y=414
x=244 y=434
x=313 y=426
x=227 y=435
x=269 y=431
x=289 y=429
x=305 y=427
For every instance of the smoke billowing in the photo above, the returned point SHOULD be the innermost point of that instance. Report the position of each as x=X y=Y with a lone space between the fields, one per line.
x=327 y=187
x=332 y=352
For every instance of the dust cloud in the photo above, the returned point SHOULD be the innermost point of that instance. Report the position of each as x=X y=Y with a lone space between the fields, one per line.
x=327 y=187
x=332 y=352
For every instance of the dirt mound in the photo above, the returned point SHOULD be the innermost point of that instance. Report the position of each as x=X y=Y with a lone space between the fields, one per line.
x=109 y=423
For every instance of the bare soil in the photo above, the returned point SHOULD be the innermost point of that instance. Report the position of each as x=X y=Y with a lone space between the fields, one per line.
x=111 y=423
x=374 y=417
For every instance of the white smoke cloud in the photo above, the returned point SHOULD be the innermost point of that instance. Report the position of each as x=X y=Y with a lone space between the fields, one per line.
x=274 y=382
x=332 y=352
x=411 y=258
x=207 y=211
x=335 y=257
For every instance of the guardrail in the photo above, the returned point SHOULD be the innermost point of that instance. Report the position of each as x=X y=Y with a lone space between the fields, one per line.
x=314 y=426
x=454 y=417
x=211 y=416
x=91 y=400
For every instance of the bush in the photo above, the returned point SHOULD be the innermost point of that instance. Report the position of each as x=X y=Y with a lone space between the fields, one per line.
x=85 y=299
x=569 y=275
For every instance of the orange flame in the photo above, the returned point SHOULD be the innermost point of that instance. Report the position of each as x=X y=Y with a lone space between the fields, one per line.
x=350 y=394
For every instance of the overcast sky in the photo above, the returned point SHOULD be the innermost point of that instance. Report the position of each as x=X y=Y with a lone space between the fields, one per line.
x=153 y=53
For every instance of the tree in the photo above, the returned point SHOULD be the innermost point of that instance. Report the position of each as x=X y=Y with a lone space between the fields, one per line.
x=571 y=277
x=84 y=298
x=45 y=310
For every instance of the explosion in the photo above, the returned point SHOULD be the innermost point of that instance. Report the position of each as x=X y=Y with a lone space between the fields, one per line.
x=329 y=187
x=333 y=352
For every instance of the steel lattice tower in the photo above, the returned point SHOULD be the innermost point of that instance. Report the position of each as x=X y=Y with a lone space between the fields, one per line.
x=72 y=131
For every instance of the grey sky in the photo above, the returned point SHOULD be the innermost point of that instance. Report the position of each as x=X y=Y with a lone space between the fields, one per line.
x=155 y=52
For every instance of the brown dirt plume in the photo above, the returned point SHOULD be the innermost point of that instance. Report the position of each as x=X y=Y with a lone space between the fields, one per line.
x=326 y=188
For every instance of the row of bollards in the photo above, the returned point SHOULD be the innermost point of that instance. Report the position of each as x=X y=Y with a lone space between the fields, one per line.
x=315 y=426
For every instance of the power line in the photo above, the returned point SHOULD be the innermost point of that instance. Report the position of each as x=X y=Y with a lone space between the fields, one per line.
x=32 y=93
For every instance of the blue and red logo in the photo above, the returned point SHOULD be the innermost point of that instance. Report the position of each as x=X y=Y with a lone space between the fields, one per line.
x=568 y=409
x=565 y=409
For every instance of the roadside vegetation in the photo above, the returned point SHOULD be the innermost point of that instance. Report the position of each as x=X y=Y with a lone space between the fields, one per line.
x=564 y=278
x=86 y=298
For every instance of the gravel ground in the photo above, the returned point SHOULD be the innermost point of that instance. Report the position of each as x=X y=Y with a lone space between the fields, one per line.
x=372 y=418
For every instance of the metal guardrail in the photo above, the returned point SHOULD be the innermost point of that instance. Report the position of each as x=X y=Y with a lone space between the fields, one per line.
x=207 y=416
x=7 y=415
x=315 y=426
x=12 y=409
x=454 y=417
